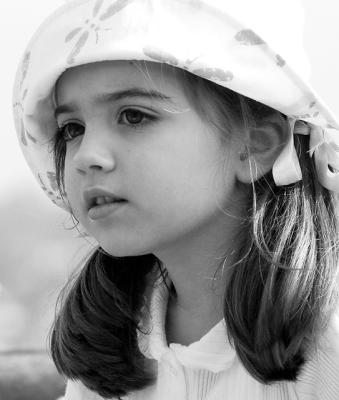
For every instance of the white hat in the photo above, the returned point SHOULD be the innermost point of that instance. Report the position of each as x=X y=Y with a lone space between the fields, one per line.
x=254 y=47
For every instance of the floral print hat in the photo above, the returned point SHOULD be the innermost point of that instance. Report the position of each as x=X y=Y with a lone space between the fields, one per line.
x=253 y=47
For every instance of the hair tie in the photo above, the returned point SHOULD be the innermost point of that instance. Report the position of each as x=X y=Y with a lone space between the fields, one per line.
x=286 y=169
x=326 y=156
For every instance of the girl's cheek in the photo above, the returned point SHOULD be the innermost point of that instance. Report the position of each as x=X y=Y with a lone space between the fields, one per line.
x=71 y=184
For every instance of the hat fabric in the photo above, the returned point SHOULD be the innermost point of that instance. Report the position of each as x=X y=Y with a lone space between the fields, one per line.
x=252 y=47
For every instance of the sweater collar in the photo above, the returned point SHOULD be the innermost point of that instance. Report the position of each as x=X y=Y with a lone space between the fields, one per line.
x=212 y=352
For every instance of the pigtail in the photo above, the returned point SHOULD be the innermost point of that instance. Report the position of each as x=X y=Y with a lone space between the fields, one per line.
x=94 y=337
x=280 y=296
x=282 y=291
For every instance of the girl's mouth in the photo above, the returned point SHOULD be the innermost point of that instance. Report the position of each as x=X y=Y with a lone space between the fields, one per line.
x=94 y=196
x=103 y=209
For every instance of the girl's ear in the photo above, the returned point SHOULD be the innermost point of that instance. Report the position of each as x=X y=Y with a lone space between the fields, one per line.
x=261 y=147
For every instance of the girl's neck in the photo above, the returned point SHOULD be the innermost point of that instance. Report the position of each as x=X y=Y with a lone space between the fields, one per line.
x=184 y=328
x=197 y=265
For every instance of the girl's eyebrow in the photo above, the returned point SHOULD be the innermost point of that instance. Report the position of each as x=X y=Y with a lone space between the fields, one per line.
x=110 y=97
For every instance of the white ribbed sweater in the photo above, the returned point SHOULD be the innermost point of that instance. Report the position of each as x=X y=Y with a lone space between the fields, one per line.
x=209 y=369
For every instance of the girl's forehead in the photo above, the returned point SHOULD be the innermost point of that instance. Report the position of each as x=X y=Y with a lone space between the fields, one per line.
x=111 y=76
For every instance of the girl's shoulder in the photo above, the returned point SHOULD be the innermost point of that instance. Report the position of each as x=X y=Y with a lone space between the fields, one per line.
x=320 y=374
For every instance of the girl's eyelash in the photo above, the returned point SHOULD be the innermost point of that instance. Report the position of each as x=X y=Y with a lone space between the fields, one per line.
x=64 y=133
x=140 y=124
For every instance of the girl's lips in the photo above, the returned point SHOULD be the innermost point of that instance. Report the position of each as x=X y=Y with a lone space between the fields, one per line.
x=104 y=210
x=90 y=195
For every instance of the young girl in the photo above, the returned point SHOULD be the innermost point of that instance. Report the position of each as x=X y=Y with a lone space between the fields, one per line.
x=183 y=138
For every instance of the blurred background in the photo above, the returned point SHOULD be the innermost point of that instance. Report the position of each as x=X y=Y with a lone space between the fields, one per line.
x=37 y=248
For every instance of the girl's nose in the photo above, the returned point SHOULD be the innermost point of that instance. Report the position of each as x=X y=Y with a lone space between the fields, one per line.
x=94 y=153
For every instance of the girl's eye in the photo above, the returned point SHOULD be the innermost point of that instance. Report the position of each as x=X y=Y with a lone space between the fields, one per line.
x=71 y=130
x=134 y=118
x=130 y=117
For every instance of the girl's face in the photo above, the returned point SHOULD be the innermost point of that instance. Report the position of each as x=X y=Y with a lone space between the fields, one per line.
x=156 y=154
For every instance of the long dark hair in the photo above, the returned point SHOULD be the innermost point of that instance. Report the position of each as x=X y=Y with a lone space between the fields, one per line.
x=279 y=294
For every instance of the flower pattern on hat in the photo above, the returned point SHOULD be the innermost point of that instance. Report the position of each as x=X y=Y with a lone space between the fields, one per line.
x=92 y=26
x=280 y=61
x=214 y=74
x=161 y=56
x=249 y=38
x=25 y=66
x=18 y=102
